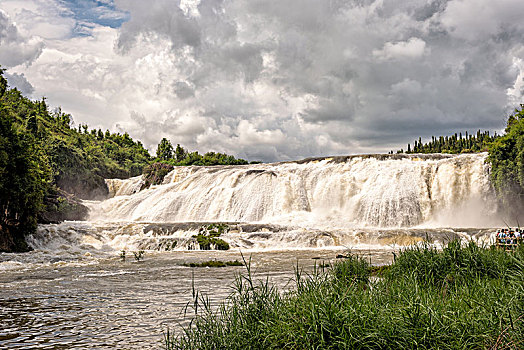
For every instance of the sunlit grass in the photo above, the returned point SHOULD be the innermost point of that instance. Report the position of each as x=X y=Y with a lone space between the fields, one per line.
x=461 y=297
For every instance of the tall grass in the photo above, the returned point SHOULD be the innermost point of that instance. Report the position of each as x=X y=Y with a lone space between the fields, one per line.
x=463 y=297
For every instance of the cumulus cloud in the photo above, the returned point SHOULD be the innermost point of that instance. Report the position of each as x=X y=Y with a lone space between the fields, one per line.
x=482 y=19
x=413 y=48
x=16 y=49
x=276 y=80
x=20 y=82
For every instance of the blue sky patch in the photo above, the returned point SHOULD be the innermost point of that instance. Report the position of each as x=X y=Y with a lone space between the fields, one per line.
x=101 y=12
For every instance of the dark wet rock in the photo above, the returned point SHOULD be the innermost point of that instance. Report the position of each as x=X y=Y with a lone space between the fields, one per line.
x=154 y=174
x=344 y=159
x=91 y=187
x=60 y=206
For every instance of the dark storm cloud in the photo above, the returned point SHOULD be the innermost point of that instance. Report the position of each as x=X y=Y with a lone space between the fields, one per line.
x=183 y=90
x=162 y=17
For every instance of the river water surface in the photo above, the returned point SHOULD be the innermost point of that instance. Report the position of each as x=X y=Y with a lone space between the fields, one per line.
x=108 y=303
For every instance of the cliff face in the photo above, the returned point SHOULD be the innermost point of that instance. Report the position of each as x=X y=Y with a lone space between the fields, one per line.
x=84 y=186
x=60 y=206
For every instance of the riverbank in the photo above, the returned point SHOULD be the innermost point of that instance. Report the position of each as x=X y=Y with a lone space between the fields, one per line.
x=460 y=297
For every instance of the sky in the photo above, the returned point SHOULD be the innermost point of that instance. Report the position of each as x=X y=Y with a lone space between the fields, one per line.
x=275 y=79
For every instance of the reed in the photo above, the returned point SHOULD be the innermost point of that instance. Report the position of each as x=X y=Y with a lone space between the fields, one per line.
x=461 y=297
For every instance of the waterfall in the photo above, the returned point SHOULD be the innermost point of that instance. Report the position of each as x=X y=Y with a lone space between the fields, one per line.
x=126 y=187
x=339 y=192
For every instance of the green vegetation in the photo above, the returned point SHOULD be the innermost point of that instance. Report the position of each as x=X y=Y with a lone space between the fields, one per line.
x=207 y=237
x=180 y=156
x=466 y=297
x=164 y=151
x=506 y=156
x=25 y=173
x=453 y=144
x=59 y=206
x=154 y=174
x=79 y=159
x=167 y=157
x=215 y=263
x=43 y=160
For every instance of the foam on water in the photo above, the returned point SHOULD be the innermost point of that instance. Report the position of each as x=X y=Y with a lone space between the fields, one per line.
x=88 y=241
x=82 y=295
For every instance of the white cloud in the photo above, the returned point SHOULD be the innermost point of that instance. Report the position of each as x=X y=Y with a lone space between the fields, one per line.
x=15 y=48
x=413 y=48
x=480 y=19
x=20 y=82
x=47 y=19
x=277 y=80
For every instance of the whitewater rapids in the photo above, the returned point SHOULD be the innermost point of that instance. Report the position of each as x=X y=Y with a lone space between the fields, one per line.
x=360 y=202
x=74 y=290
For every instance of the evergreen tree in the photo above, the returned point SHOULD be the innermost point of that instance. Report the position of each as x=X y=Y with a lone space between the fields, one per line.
x=3 y=83
x=32 y=123
x=164 y=150
x=24 y=178
x=180 y=153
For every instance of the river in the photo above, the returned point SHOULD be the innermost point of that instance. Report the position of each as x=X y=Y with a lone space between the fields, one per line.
x=108 y=303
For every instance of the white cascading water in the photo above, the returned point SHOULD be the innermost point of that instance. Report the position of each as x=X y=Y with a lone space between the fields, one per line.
x=357 y=191
x=119 y=187
x=376 y=201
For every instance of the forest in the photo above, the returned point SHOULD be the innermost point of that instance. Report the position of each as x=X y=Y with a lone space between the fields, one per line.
x=505 y=155
x=479 y=142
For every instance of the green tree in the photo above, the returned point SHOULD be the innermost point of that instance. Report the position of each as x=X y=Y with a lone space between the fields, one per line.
x=3 y=83
x=24 y=175
x=180 y=153
x=32 y=123
x=506 y=156
x=164 y=150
